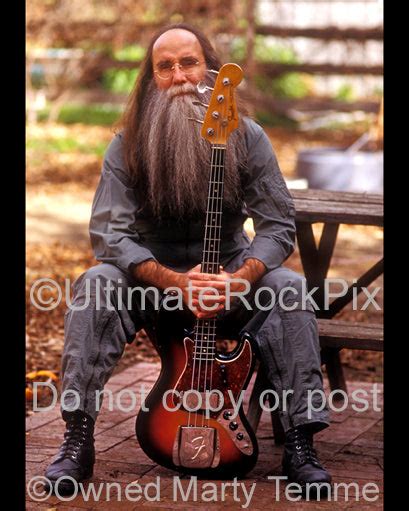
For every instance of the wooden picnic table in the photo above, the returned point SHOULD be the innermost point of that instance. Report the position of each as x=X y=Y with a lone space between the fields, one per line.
x=333 y=208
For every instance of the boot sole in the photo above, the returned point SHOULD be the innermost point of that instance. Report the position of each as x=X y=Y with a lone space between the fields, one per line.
x=303 y=485
x=66 y=487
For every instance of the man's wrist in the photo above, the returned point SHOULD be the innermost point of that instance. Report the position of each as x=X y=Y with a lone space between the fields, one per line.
x=252 y=270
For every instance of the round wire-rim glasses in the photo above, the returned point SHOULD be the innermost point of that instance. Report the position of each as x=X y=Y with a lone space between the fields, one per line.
x=187 y=68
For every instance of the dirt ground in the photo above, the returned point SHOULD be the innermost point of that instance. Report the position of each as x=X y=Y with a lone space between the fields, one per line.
x=60 y=188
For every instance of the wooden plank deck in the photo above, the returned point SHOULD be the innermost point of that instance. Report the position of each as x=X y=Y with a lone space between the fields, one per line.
x=351 y=448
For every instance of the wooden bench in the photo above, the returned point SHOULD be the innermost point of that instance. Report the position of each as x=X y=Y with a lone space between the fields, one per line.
x=330 y=208
x=334 y=334
x=339 y=334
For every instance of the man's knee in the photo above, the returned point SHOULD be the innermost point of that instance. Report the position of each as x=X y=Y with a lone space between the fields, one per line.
x=285 y=286
x=100 y=278
x=101 y=273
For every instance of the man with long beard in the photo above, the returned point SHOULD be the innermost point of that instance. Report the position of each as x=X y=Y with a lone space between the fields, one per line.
x=147 y=229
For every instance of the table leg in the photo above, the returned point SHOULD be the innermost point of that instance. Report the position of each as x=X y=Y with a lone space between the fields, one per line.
x=316 y=262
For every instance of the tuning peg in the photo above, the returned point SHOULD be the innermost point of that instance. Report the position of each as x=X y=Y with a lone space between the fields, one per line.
x=213 y=71
x=196 y=120
x=202 y=87
x=199 y=103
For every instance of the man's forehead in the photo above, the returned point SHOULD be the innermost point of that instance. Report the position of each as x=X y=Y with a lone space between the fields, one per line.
x=175 y=41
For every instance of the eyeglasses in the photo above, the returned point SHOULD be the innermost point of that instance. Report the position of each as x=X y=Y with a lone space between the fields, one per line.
x=166 y=69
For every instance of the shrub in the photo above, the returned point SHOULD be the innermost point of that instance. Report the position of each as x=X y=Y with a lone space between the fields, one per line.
x=288 y=85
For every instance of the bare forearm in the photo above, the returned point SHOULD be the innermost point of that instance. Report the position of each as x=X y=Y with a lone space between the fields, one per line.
x=154 y=274
x=252 y=270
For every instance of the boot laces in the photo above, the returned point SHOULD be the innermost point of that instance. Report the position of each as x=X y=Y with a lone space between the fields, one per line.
x=304 y=450
x=74 y=437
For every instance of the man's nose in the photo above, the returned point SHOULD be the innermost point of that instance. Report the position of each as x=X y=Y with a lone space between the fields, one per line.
x=178 y=76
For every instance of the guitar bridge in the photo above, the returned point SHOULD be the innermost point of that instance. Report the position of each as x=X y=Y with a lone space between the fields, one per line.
x=196 y=447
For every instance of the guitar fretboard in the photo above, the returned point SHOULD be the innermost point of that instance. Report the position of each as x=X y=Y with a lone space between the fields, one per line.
x=205 y=330
x=211 y=245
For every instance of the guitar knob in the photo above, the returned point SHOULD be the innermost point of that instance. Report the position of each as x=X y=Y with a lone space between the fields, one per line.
x=226 y=415
x=239 y=436
x=233 y=425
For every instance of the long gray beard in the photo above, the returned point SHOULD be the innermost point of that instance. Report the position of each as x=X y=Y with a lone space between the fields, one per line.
x=177 y=158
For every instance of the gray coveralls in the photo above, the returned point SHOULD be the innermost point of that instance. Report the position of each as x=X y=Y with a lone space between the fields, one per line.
x=122 y=236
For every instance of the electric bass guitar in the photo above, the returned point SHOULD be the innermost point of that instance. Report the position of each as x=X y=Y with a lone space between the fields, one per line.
x=193 y=420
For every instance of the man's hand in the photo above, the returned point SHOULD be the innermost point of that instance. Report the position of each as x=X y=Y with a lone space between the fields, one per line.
x=154 y=274
x=221 y=284
x=193 y=284
x=207 y=291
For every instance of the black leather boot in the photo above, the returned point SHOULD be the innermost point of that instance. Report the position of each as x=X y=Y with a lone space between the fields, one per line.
x=76 y=457
x=300 y=461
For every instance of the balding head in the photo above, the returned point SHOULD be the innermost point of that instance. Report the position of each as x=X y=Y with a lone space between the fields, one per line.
x=177 y=46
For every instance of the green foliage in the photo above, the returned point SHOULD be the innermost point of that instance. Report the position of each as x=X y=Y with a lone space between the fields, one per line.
x=345 y=93
x=288 y=85
x=134 y=52
x=98 y=114
x=266 y=118
x=65 y=145
x=120 y=81
x=264 y=51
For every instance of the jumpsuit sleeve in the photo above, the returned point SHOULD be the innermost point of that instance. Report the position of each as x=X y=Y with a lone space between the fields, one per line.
x=268 y=202
x=114 y=238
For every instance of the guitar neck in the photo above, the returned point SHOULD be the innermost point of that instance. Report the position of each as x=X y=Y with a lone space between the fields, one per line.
x=211 y=245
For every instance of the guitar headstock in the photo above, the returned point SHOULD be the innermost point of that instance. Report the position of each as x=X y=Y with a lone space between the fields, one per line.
x=222 y=116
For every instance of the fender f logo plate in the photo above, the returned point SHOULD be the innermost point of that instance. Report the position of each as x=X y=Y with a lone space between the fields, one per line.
x=196 y=447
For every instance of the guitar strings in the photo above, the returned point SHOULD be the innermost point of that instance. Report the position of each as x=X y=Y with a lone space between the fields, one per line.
x=218 y=242
x=210 y=264
x=215 y=255
x=208 y=260
x=200 y=324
